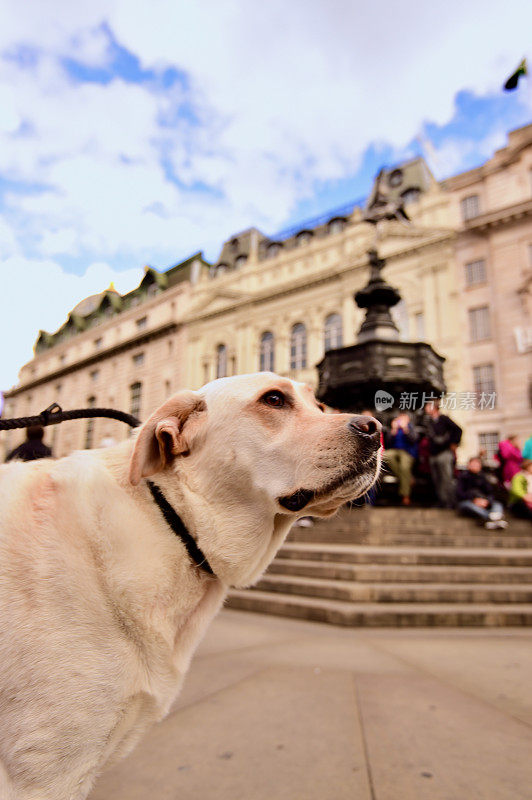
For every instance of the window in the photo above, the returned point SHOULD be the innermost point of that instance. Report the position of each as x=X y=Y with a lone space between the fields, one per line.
x=98 y=343
x=89 y=430
x=138 y=359
x=484 y=379
x=475 y=272
x=221 y=361
x=333 y=332
x=94 y=375
x=141 y=323
x=135 y=391
x=273 y=250
x=489 y=442
x=479 y=323
x=420 y=325
x=267 y=344
x=240 y=261
x=303 y=238
x=410 y=195
x=400 y=317
x=395 y=178
x=336 y=225
x=470 y=207
x=298 y=347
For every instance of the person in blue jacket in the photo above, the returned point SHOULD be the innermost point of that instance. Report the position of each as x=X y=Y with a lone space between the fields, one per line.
x=400 y=452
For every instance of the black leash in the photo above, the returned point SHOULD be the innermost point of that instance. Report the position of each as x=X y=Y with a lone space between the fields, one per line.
x=55 y=414
x=178 y=526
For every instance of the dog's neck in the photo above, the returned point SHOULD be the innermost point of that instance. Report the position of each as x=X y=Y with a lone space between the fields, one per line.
x=177 y=525
x=236 y=560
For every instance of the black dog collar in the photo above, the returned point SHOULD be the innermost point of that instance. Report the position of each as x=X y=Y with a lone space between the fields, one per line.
x=176 y=523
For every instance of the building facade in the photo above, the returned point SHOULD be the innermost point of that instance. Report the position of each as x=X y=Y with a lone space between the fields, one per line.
x=125 y=352
x=463 y=266
x=492 y=211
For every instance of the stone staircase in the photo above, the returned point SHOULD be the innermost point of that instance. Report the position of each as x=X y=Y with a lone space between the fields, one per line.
x=400 y=568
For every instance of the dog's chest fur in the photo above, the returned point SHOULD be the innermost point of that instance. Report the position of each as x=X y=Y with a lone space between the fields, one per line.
x=99 y=629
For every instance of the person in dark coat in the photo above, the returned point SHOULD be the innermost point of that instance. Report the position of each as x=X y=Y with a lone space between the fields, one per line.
x=33 y=448
x=475 y=498
x=444 y=437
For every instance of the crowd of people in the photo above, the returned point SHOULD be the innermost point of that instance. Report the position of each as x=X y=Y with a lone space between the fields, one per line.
x=426 y=453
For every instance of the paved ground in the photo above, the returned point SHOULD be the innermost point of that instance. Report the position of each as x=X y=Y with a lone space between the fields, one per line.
x=276 y=709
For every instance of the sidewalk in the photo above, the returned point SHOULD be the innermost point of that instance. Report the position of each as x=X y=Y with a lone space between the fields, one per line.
x=276 y=709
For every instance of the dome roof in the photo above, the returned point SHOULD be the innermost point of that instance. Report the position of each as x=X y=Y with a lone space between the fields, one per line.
x=90 y=304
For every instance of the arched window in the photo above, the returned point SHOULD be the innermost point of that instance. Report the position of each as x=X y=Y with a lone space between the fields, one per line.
x=411 y=195
x=336 y=225
x=273 y=249
x=240 y=261
x=303 y=238
x=298 y=347
x=267 y=343
x=221 y=361
x=333 y=332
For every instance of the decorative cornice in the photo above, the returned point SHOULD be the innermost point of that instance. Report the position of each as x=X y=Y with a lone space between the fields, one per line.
x=501 y=216
x=308 y=282
x=99 y=355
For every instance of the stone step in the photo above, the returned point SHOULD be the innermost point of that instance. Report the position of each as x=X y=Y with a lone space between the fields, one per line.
x=339 y=612
x=360 y=554
x=395 y=592
x=410 y=518
x=394 y=536
x=408 y=573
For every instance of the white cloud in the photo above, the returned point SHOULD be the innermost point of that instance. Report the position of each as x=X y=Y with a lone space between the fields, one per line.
x=278 y=96
x=38 y=294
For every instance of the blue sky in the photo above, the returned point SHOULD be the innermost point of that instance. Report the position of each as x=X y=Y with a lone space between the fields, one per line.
x=134 y=133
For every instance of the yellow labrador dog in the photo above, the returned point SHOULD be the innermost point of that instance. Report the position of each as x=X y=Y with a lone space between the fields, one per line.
x=113 y=562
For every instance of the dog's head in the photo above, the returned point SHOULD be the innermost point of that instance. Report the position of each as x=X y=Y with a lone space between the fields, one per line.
x=248 y=455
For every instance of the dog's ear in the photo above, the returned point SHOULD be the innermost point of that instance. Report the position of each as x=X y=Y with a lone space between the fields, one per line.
x=166 y=434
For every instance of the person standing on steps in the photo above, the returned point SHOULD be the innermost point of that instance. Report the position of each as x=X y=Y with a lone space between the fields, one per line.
x=444 y=437
x=510 y=457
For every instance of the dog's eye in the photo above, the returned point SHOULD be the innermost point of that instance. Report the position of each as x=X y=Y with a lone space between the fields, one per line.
x=275 y=399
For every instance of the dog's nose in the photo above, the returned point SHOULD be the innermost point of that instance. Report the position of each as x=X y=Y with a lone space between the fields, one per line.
x=365 y=426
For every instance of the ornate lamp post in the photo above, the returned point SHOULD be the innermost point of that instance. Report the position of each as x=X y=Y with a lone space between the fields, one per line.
x=379 y=364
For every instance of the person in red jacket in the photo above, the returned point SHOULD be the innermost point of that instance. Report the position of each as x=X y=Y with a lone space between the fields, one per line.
x=509 y=454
